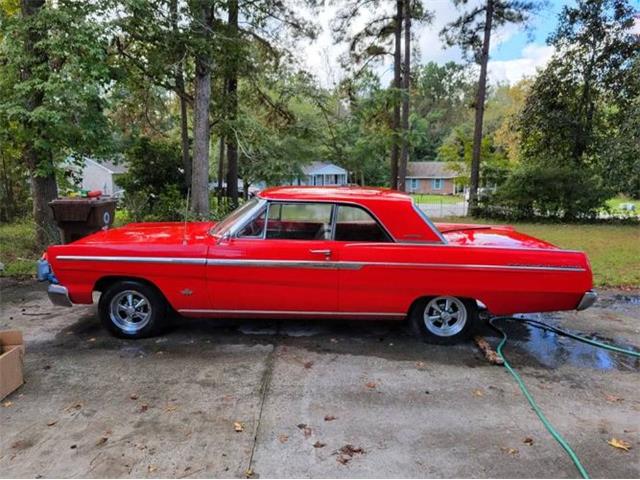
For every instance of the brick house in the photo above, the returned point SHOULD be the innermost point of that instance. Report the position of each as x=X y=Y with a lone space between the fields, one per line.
x=432 y=177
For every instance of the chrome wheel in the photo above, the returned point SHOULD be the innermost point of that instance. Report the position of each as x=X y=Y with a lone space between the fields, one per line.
x=445 y=316
x=130 y=311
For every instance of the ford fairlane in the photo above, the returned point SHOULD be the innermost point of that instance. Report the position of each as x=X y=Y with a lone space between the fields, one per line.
x=317 y=252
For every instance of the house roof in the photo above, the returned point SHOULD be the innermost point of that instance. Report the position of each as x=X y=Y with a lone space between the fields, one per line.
x=111 y=166
x=323 y=168
x=431 y=170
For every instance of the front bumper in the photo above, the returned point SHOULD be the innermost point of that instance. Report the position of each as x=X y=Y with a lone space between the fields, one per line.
x=588 y=299
x=59 y=295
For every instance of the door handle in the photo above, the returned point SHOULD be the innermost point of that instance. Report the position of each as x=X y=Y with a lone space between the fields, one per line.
x=326 y=252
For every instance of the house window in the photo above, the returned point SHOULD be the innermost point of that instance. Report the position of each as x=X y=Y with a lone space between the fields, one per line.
x=436 y=184
x=413 y=184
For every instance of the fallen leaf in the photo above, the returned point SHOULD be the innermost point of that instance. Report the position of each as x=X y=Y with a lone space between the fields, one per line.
x=528 y=441
x=308 y=365
x=92 y=339
x=248 y=473
x=371 y=384
x=51 y=423
x=75 y=406
x=329 y=418
x=307 y=432
x=478 y=393
x=102 y=441
x=613 y=398
x=319 y=444
x=510 y=451
x=151 y=468
x=620 y=444
x=133 y=396
x=349 y=449
x=301 y=425
x=343 y=459
x=421 y=365
x=144 y=407
x=7 y=404
x=238 y=427
x=282 y=438
x=170 y=408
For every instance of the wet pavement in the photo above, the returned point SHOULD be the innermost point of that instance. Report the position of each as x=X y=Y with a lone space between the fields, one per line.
x=314 y=399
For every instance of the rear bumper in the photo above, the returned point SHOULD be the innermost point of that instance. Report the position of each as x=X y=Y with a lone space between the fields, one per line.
x=588 y=299
x=59 y=295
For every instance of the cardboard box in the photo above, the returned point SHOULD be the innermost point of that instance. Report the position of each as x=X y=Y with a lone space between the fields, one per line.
x=11 y=361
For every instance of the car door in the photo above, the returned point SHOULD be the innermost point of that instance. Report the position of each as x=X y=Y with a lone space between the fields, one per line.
x=282 y=262
x=367 y=286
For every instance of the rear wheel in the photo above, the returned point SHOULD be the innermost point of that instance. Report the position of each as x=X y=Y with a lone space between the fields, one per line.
x=444 y=319
x=131 y=309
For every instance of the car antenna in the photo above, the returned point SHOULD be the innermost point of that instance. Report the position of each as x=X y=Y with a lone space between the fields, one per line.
x=186 y=213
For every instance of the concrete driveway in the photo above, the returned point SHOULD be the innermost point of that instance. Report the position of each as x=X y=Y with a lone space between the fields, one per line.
x=312 y=399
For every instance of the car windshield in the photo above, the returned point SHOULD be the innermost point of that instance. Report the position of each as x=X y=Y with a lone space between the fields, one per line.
x=230 y=219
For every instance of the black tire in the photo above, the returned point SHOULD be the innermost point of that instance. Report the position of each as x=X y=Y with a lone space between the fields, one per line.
x=147 y=320
x=445 y=335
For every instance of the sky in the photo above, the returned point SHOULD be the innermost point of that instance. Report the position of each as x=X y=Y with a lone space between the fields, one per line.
x=515 y=53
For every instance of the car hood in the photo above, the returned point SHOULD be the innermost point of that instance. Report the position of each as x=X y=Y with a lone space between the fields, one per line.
x=490 y=236
x=168 y=233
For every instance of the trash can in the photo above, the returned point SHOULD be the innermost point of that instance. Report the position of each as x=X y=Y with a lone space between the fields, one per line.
x=79 y=217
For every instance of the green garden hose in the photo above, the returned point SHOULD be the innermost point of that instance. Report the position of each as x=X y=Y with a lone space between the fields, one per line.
x=535 y=323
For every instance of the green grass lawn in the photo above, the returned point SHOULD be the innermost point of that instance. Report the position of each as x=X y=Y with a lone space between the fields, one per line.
x=17 y=251
x=436 y=199
x=614 y=204
x=613 y=250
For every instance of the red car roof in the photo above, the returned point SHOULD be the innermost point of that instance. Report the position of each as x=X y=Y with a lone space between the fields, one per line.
x=333 y=194
x=394 y=209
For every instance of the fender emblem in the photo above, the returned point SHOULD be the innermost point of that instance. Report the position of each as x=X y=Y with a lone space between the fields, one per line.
x=186 y=292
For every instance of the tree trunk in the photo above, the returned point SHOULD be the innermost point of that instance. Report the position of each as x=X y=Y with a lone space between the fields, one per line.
x=397 y=66
x=221 y=168
x=180 y=90
x=232 y=98
x=44 y=189
x=184 y=125
x=201 y=127
x=40 y=164
x=8 y=205
x=480 y=98
x=406 y=83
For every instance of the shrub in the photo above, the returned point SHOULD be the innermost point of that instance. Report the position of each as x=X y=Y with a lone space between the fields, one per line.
x=537 y=190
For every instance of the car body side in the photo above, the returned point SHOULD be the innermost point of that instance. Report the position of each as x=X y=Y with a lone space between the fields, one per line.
x=201 y=275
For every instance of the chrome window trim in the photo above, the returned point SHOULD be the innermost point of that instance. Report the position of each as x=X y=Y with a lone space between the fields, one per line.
x=345 y=203
x=366 y=210
x=241 y=222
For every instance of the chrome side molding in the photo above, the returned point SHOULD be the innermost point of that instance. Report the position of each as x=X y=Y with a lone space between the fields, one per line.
x=588 y=299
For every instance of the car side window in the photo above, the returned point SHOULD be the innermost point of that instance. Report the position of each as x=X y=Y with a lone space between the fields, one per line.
x=255 y=228
x=355 y=224
x=299 y=221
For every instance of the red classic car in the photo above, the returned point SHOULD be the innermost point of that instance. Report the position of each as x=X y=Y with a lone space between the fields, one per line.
x=313 y=252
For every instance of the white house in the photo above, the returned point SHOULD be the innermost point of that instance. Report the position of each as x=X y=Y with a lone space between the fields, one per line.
x=322 y=174
x=102 y=175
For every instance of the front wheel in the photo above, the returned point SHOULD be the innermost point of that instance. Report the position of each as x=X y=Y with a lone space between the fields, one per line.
x=444 y=320
x=131 y=309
